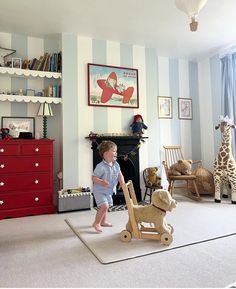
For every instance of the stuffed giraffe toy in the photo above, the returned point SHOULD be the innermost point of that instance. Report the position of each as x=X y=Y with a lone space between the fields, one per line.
x=225 y=165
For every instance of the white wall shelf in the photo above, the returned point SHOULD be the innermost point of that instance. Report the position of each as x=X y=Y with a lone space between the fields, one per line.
x=26 y=98
x=28 y=73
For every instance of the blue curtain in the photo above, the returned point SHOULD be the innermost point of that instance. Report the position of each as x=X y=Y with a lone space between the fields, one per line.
x=228 y=65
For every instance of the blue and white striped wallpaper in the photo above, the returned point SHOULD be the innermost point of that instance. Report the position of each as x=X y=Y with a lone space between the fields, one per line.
x=158 y=76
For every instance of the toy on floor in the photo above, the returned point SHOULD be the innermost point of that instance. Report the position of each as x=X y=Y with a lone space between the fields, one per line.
x=153 y=214
x=138 y=125
x=182 y=167
x=224 y=164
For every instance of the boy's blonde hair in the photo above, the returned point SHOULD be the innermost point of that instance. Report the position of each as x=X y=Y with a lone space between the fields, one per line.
x=105 y=146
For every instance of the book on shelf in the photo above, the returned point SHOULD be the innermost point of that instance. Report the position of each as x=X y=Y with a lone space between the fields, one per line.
x=53 y=62
x=59 y=62
x=32 y=63
x=54 y=90
x=43 y=59
x=46 y=63
x=38 y=63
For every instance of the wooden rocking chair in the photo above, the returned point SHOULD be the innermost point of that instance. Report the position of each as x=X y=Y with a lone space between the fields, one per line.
x=172 y=155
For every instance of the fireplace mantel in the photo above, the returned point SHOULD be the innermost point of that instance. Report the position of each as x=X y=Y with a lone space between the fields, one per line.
x=121 y=138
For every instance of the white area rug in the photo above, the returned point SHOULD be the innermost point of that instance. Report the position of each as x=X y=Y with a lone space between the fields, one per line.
x=193 y=222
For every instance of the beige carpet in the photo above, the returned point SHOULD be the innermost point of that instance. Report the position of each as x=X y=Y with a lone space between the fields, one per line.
x=193 y=222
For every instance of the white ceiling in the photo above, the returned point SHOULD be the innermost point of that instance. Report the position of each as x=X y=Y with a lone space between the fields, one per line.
x=151 y=23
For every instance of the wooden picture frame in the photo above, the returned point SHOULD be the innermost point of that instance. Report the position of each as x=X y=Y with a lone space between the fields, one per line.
x=164 y=107
x=112 y=86
x=18 y=124
x=185 y=108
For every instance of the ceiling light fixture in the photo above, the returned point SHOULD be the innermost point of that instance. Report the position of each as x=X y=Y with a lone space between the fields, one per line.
x=191 y=8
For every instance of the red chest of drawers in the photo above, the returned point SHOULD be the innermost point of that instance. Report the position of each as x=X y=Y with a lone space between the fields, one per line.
x=26 y=177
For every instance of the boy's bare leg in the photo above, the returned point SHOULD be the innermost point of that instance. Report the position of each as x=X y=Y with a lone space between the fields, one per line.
x=99 y=217
x=104 y=222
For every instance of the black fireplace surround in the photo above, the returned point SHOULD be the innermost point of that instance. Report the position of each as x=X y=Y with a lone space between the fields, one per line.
x=128 y=159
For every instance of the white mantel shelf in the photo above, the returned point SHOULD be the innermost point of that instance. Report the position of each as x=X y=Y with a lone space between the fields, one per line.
x=29 y=73
x=26 y=98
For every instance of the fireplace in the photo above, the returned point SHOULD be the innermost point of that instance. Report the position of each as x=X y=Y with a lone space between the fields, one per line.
x=128 y=159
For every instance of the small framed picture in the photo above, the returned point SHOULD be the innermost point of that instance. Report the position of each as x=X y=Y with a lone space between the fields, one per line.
x=18 y=124
x=185 y=108
x=164 y=107
x=16 y=62
x=30 y=92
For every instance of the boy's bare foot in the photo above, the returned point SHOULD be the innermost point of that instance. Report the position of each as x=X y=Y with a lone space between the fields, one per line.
x=106 y=224
x=97 y=227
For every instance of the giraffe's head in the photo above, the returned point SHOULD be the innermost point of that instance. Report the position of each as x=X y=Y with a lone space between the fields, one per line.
x=225 y=124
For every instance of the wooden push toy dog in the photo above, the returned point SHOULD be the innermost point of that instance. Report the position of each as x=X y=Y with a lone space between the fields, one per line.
x=153 y=213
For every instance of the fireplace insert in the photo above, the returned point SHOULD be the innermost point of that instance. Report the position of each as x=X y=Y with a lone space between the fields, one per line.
x=128 y=159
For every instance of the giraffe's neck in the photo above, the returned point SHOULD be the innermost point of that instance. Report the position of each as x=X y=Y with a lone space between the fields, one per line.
x=226 y=138
x=225 y=153
x=225 y=149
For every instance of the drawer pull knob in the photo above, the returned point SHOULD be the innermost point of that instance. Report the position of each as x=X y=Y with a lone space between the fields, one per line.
x=2 y=184
x=1 y=150
x=37 y=149
x=1 y=202
x=36 y=199
x=36 y=164
x=2 y=166
x=36 y=181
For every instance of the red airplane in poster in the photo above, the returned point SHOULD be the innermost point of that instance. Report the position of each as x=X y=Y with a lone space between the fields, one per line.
x=110 y=86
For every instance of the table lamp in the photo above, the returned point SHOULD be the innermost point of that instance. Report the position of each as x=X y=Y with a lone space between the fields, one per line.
x=45 y=110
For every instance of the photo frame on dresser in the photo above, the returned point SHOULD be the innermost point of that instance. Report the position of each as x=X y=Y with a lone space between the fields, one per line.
x=17 y=125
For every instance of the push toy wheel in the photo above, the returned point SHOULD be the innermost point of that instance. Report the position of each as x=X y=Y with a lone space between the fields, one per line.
x=125 y=236
x=166 y=239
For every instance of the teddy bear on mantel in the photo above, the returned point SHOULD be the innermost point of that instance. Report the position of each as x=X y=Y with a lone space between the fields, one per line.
x=182 y=167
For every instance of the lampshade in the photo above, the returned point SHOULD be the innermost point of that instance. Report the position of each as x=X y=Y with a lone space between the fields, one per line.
x=45 y=109
x=191 y=8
